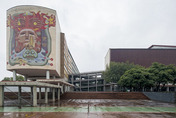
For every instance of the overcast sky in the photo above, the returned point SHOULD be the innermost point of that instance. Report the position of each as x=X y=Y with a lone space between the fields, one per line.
x=93 y=26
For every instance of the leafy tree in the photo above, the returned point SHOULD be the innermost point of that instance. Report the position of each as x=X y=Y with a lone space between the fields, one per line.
x=18 y=78
x=172 y=71
x=116 y=70
x=8 y=79
x=137 y=78
x=162 y=74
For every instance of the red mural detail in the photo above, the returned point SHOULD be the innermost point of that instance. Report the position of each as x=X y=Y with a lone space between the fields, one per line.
x=36 y=21
x=28 y=27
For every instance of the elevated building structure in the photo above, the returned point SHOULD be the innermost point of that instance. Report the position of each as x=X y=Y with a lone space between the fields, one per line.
x=36 y=47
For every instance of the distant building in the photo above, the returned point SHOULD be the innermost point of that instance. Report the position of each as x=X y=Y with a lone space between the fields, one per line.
x=93 y=81
x=144 y=57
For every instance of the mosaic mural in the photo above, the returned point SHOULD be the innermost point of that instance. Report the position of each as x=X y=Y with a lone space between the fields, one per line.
x=30 y=41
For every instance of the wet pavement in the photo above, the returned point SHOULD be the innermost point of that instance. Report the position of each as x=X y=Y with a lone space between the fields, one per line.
x=92 y=108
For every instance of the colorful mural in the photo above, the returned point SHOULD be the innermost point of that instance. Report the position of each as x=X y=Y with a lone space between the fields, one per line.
x=30 y=41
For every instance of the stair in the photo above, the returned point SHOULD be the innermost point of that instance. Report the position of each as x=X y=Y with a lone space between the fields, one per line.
x=104 y=95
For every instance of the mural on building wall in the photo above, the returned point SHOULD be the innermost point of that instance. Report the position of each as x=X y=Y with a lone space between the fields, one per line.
x=30 y=41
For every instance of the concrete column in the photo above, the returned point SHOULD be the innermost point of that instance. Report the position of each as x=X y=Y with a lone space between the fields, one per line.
x=47 y=74
x=65 y=88
x=34 y=96
x=151 y=89
x=14 y=75
x=96 y=81
x=111 y=88
x=19 y=96
x=167 y=89
x=53 y=92
x=80 y=83
x=62 y=91
x=46 y=95
x=58 y=94
x=104 y=85
x=25 y=78
x=1 y=96
x=40 y=94
x=31 y=94
x=88 y=83
x=68 y=88
x=72 y=79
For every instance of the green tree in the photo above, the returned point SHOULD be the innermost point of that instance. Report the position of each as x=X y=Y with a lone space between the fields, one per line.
x=162 y=74
x=172 y=71
x=136 y=78
x=116 y=70
x=18 y=78
x=8 y=79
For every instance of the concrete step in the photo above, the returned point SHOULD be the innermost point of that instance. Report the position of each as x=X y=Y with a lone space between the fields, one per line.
x=104 y=95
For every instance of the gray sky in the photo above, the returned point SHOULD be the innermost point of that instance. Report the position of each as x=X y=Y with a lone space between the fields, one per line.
x=93 y=26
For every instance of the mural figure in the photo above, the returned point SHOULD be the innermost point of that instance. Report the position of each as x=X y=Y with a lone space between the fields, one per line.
x=30 y=41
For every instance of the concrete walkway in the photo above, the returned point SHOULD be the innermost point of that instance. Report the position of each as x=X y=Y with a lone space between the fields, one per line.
x=94 y=109
x=91 y=109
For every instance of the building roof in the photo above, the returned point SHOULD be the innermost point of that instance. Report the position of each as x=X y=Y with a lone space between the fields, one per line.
x=162 y=47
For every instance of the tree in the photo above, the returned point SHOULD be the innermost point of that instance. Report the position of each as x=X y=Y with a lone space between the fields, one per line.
x=116 y=70
x=172 y=71
x=163 y=74
x=18 y=78
x=8 y=79
x=136 y=78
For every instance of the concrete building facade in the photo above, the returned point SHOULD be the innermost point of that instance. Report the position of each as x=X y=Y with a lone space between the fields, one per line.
x=35 y=45
x=144 y=57
x=37 y=49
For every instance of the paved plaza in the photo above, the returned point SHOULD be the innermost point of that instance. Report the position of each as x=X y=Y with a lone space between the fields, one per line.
x=93 y=108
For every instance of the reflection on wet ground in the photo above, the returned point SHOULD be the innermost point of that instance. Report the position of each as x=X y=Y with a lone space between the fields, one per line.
x=115 y=103
x=98 y=102
x=92 y=108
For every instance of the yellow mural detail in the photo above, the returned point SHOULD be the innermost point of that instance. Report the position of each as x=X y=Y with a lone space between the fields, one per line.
x=21 y=61
x=35 y=23
x=36 y=29
x=19 y=23
x=51 y=20
x=31 y=42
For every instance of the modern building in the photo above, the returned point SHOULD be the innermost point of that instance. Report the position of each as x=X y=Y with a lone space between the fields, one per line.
x=93 y=81
x=36 y=47
x=144 y=57
x=89 y=81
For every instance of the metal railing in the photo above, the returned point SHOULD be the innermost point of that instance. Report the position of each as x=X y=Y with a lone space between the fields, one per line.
x=19 y=97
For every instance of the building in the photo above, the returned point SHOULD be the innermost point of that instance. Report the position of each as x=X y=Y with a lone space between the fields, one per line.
x=89 y=81
x=36 y=47
x=93 y=81
x=144 y=57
